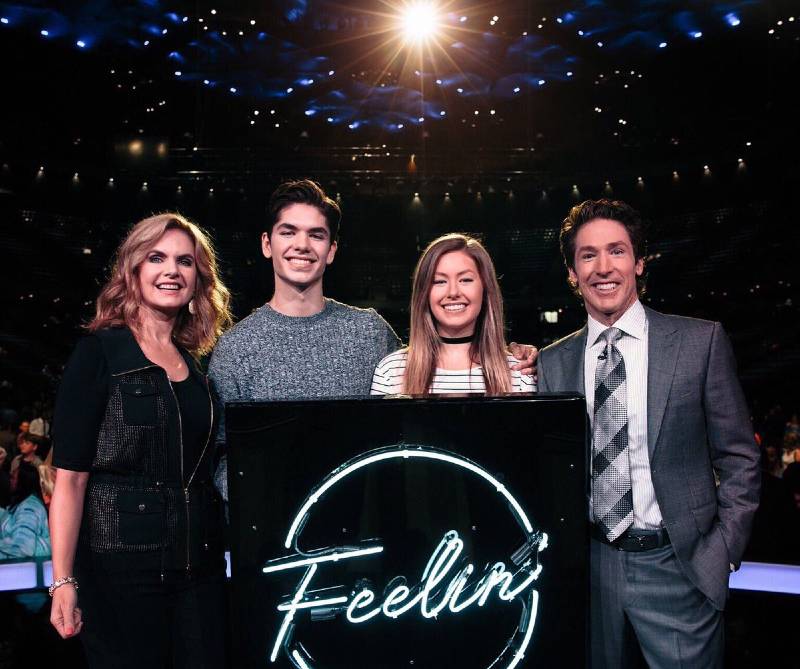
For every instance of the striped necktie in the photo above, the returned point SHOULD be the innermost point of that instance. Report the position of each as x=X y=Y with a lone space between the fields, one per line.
x=612 y=496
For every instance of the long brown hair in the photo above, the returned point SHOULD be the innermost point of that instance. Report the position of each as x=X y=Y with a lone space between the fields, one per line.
x=120 y=299
x=488 y=347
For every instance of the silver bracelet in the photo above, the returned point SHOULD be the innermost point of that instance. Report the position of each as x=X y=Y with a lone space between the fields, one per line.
x=64 y=580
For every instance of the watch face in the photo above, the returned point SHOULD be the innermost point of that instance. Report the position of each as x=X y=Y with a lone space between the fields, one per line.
x=397 y=533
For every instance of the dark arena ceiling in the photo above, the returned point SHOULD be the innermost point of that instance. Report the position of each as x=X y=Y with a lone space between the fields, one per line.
x=496 y=122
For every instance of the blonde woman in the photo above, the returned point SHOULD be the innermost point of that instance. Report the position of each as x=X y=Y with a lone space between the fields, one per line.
x=135 y=520
x=457 y=339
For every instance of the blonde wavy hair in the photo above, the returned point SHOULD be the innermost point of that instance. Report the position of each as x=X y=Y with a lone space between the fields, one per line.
x=120 y=299
x=488 y=347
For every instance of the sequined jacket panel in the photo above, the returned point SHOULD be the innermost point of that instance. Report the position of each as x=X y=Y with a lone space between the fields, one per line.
x=138 y=499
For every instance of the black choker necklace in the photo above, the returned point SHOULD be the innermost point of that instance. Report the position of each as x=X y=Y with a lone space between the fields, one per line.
x=456 y=340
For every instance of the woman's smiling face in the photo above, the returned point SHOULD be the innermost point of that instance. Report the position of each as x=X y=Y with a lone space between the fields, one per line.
x=456 y=294
x=168 y=274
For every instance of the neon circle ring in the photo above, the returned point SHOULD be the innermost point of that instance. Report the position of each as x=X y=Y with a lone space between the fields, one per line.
x=440 y=588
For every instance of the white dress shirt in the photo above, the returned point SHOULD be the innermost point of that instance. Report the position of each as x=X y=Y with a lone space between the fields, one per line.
x=633 y=347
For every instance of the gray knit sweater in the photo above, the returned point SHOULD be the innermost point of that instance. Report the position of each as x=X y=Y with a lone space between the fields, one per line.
x=269 y=356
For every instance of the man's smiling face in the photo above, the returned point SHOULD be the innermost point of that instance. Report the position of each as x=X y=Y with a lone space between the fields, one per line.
x=605 y=269
x=299 y=245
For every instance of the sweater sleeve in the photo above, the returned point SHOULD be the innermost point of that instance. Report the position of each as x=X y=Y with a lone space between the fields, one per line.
x=390 y=341
x=225 y=372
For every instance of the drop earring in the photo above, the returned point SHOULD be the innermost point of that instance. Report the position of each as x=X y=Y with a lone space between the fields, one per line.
x=192 y=310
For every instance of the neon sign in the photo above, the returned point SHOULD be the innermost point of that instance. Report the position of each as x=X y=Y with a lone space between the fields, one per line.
x=449 y=583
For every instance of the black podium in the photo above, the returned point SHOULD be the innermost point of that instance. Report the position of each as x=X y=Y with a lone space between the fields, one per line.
x=399 y=532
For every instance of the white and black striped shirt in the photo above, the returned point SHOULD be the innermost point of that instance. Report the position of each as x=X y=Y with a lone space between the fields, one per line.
x=633 y=347
x=389 y=374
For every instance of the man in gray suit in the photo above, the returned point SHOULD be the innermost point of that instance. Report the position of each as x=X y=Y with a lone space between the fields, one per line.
x=667 y=415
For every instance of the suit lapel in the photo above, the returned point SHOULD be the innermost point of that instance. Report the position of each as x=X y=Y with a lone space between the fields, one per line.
x=572 y=362
x=662 y=356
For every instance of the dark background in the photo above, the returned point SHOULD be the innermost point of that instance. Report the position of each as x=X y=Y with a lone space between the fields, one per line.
x=118 y=136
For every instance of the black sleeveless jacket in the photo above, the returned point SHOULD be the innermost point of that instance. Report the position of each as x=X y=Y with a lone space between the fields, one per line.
x=139 y=499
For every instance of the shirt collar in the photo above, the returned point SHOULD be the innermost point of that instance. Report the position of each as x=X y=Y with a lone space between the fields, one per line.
x=633 y=323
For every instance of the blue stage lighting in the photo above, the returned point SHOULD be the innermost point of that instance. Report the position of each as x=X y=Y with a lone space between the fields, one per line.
x=732 y=20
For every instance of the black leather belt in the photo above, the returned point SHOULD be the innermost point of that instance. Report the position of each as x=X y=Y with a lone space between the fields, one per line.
x=634 y=540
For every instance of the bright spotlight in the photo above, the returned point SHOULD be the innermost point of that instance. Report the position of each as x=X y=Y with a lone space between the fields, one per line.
x=419 y=21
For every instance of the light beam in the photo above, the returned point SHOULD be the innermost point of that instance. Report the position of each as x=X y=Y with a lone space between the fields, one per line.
x=419 y=21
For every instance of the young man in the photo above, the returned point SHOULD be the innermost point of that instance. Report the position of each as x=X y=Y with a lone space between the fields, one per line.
x=29 y=445
x=301 y=344
x=667 y=413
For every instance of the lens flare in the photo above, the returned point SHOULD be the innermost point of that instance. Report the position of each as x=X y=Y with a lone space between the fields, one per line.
x=419 y=21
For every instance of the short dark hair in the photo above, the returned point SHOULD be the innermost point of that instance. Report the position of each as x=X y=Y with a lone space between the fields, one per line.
x=614 y=210
x=35 y=439
x=304 y=191
x=28 y=483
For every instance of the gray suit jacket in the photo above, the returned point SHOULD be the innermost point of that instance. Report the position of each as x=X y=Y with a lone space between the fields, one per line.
x=697 y=424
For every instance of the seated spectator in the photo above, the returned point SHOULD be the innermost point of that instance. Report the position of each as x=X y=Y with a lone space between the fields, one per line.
x=29 y=447
x=24 y=426
x=47 y=478
x=792 y=427
x=776 y=526
x=772 y=462
x=23 y=526
x=40 y=426
x=791 y=477
x=5 y=481
x=8 y=438
x=791 y=449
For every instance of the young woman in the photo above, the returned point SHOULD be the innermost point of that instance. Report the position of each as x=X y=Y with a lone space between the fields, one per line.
x=135 y=520
x=457 y=340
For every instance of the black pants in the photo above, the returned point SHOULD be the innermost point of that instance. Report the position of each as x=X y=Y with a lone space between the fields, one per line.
x=134 y=620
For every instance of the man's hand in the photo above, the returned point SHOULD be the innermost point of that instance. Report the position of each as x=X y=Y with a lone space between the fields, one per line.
x=526 y=354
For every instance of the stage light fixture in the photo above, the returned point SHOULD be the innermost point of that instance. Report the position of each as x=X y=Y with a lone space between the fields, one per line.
x=419 y=21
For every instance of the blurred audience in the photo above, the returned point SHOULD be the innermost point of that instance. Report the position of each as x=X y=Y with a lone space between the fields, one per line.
x=23 y=525
x=792 y=428
x=30 y=445
x=47 y=478
x=8 y=438
x=776 y=527
x=5 y=481
x=791 y=477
